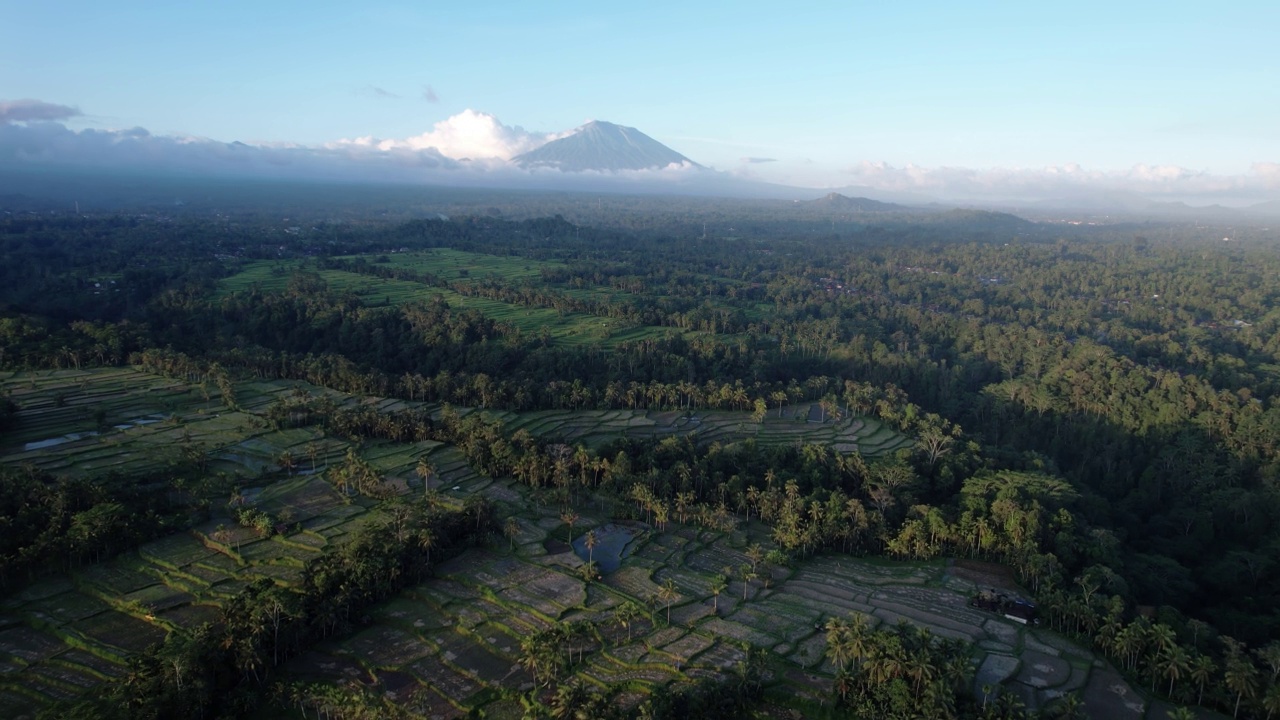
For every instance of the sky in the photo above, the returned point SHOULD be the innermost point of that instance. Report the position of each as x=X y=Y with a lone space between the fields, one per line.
x=1160 y=97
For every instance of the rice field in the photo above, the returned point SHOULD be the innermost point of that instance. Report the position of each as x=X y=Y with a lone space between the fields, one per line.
x=563 y=328
x=452 y=644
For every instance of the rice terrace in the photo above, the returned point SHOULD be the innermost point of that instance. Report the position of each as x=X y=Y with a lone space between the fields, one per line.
x=815 y=462
x=682 y=598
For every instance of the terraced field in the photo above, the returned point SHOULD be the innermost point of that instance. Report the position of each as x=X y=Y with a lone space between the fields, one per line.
x=64 y=635
x=452 y=643
x=565 y=328
x=453 y=264
x=794 y=426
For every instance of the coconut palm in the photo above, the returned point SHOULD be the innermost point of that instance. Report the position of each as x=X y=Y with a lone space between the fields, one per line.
x=569 y=517
x=1241 y=678
x=1173 y=665
x=590 y=543
x=1201 y=670
x=312 y=451
x=1271 y=701
x=626 y=615
x=539 y=658
x=838 y=645
x=511 y=528
x=861 y=640
x=718 y=585
x=426 y=541
x=667 y=593
x=844 y=684
x=569 y=698
x=424 y=471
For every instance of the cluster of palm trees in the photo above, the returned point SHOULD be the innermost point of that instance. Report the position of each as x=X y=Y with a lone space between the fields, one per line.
x=1183 y=671
x=903 y=671
x=339 y=701
x=49 y=524
x=549 y=653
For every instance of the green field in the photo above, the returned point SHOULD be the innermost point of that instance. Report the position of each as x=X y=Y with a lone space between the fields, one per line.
x=452 y=643
x=564 y=328
x=457 y=264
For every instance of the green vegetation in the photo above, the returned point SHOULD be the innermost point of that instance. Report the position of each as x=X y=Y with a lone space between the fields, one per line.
x=530 y=468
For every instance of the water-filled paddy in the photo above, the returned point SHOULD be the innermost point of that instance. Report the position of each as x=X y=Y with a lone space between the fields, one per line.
x=613 y=543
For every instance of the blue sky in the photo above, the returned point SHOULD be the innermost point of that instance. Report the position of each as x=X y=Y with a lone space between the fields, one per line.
x=819 y=88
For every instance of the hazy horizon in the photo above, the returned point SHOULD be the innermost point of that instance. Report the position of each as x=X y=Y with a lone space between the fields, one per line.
x=990 y=103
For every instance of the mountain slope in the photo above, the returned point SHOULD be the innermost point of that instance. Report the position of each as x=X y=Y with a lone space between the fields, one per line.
x=602 y=146
x=840 y=203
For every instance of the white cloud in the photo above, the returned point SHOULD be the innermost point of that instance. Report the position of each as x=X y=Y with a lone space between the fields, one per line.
x=1065 y=181
x=468 y=135
x=474 y=149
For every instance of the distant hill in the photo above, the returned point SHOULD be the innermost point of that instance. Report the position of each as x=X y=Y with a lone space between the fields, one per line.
x=1266 y=208
x=840 y=203
x=604 y=146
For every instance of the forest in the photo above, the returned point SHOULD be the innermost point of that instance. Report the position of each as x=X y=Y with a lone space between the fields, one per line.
x=1095 y=409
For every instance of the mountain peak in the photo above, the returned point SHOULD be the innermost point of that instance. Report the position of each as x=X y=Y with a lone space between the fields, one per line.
x=601 y=145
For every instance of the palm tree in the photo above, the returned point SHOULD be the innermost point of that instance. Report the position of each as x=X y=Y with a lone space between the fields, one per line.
x=1202 y=669
x=920 y=668
x=312 y=452
x=1241 y=678
x=667 y=593
x=778 y=397
x=511 y=528
x=286 y=461
x=590 y=543
x=718 y=585
x=569 y=517
x=747 y=577
x=838 y=645
x=844 y=684
x=627 y=614
x=569 y=698
x=1174 y=666
x=424 y=471
x=538 y=658
x=1271 y=700
x=426 y=540
x=861 y=639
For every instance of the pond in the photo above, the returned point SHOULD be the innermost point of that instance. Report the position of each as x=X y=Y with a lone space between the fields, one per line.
x=613 y=543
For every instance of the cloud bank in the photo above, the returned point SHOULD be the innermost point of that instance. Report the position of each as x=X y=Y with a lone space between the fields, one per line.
x=470 y=149
x=1166 y=182
x=474 y=149
x=469 y=135
x=34 y=111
